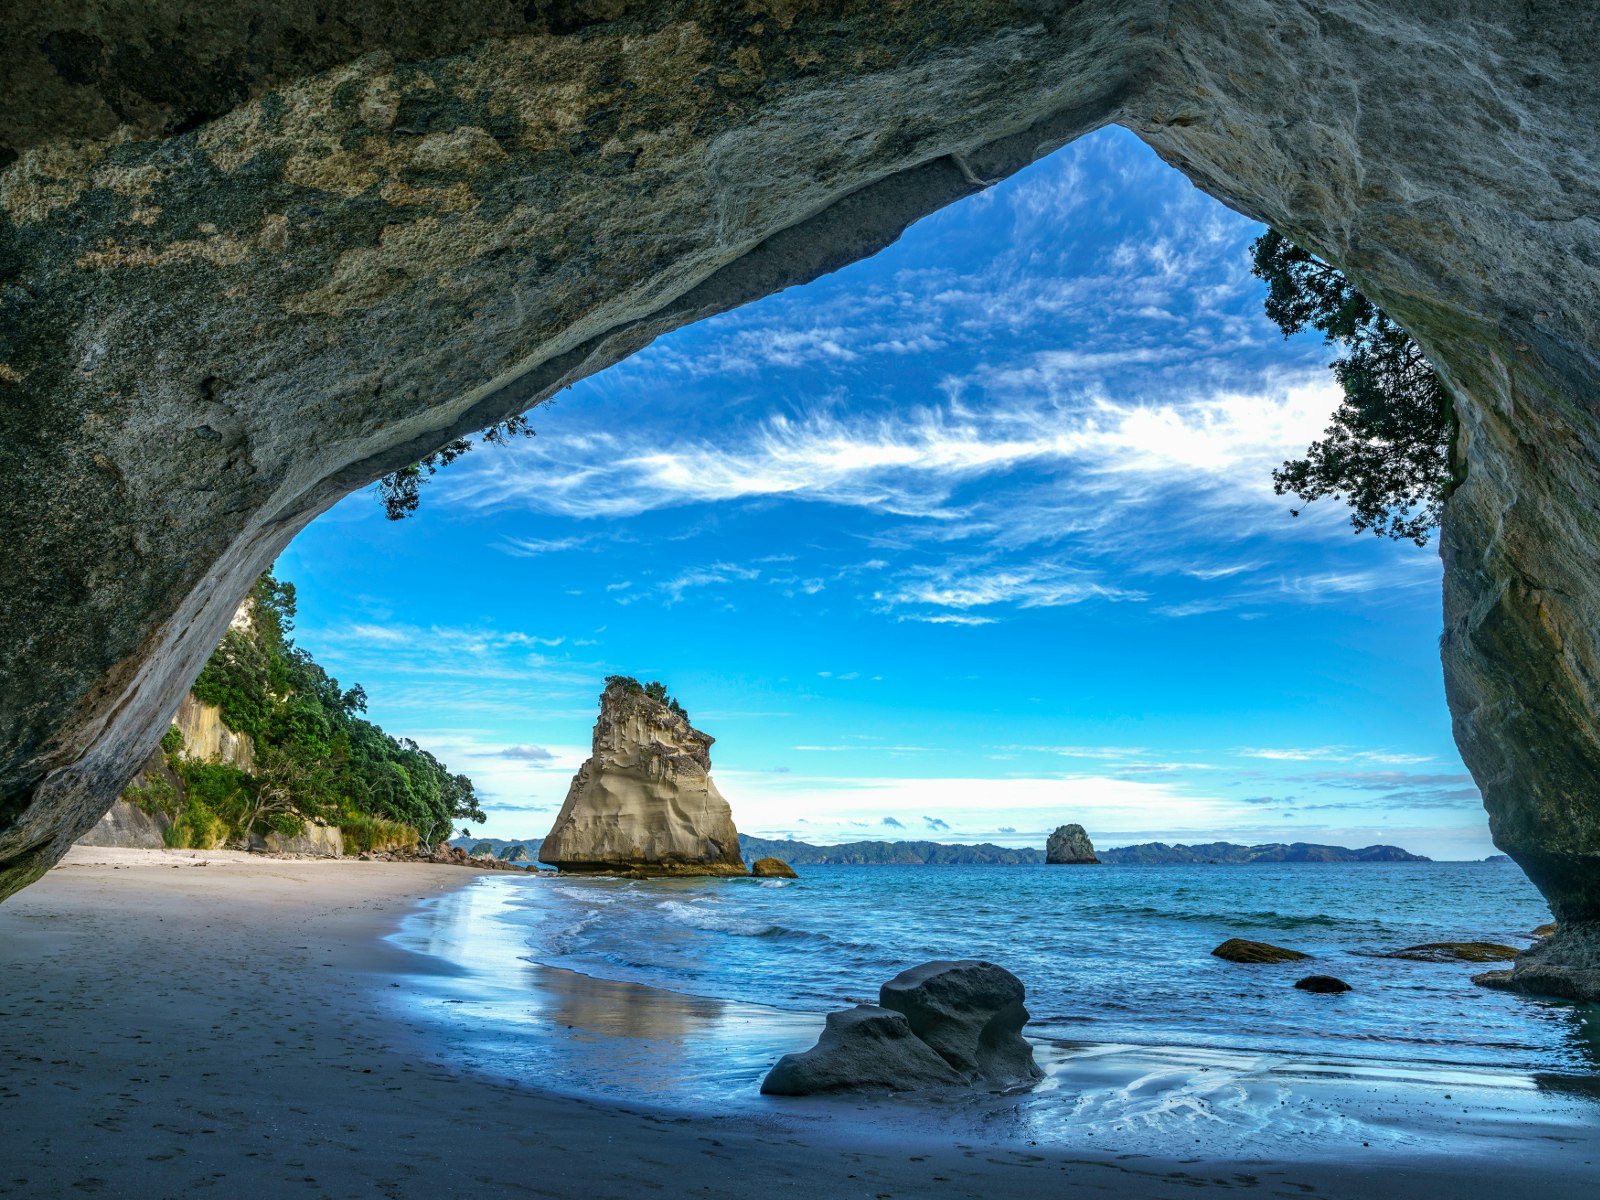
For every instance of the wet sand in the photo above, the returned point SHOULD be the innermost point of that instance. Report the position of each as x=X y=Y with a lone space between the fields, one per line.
x=175 y=1023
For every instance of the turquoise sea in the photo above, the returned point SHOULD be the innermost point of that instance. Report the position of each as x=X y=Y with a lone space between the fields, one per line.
x=1107 y=954
x=680 y=995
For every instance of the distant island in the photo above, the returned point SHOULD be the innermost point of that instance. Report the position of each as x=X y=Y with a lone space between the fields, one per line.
x=878 y=854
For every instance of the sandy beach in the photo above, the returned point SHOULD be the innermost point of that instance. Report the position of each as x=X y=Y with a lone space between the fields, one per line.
x=177 y=1023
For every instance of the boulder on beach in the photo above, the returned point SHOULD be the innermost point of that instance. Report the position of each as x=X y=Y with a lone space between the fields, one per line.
x=943 y=1024
x=1322 y=984
x=644 y=803
x=861 y=1048
x=971 y=1012
x=1477 y=952
x=1069 y=845
x=1240 y=950
x=772 y=868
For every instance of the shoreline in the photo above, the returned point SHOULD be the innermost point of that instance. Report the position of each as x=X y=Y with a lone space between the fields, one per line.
x=246 y=1025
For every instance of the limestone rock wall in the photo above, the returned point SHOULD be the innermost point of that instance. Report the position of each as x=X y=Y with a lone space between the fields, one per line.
x=206 y=735
x=644 y=801
x=249 y=263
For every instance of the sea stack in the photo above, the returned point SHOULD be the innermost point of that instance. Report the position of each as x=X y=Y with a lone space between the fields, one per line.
x=1069 y=845
x=644 y=802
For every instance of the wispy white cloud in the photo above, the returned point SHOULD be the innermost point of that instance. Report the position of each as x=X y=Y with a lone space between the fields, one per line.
x=1332 y=754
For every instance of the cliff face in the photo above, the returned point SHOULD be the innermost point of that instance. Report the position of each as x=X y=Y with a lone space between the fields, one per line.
x=273 y=259
x=206 y=735
x=644 y=802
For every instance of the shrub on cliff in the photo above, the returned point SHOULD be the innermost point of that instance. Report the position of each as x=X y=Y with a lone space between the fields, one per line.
x=1387 y=451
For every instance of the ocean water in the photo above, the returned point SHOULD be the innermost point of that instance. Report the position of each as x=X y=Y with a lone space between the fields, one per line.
x=1108 y=955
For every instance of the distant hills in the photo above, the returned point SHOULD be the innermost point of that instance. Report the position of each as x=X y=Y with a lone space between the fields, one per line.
x=887 y=853
x=1159 y=853
x=984 y=853
x=1150 y=853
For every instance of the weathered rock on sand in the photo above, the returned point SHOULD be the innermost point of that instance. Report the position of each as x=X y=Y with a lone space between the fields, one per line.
x=644 y=803
x=943 y=1024
x=1069 y=845
x=1477 y=952
x=1240 y=950
x=1322 y=984
x=772 y=868
x=253 y=263
x=861 y=1048
x=971 y=1012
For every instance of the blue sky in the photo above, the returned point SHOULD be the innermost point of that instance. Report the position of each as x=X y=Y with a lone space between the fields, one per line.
x=962 y=542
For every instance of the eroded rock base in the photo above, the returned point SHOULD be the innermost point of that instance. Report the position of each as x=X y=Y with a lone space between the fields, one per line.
x=1565 y=964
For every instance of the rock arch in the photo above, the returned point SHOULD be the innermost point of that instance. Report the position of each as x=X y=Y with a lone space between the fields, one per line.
x=249 y=261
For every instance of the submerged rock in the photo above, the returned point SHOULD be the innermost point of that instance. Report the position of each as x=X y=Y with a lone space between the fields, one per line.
x=861 y=1048
x=1069 y=845
x=971 y=1012
x=1457 y=952
x=943 y=1024
x=1323 y=984
x=1240 y=950
x=772 y=868
x=644 y=803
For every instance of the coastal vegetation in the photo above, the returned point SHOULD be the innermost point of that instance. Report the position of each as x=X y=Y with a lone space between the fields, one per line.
x=315 y=757
x=1386 y=452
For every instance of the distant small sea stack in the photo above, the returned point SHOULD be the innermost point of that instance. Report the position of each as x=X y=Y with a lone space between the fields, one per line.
x=1069 y=845
x=644 y=802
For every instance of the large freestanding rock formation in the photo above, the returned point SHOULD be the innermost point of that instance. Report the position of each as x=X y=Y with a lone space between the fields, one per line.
x=1069 y=845
x=644 y=802
x=252 y=257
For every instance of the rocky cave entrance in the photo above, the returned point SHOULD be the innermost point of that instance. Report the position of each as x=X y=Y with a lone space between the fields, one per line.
x=277 y=291
x=1019 y=458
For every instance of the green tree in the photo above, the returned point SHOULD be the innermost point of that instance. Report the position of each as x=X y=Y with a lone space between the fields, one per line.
x=1387 y=451
x=399 y=490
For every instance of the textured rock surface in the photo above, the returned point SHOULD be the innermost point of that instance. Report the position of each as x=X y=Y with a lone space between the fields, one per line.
x=127 y=825
x=1565 y=964
x=860 y=1049
x=206 y=735
x=1240 y=950
x=252 y=260
x=971 y=1012
x=314 y=839
x=644 y=801
x=1476 y=952
x=1069 y=845
x=772 y=868
x=1325 y=985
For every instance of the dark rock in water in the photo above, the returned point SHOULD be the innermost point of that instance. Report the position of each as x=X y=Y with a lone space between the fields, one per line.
x=1545 y=931
x=1457 y=952
x=1069 y=845
x=861 y=1048
x=772 y=868
x=1241 y=951
x=1565 y=964
x=971 y=1013
x=1324 y=984
x=514 y=853
x=1498 y=858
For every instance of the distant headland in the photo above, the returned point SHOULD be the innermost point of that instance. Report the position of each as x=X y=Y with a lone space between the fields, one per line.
x=986 y=853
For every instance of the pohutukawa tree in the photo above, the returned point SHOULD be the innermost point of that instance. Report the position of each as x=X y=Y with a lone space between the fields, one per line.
x=1387 y=452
